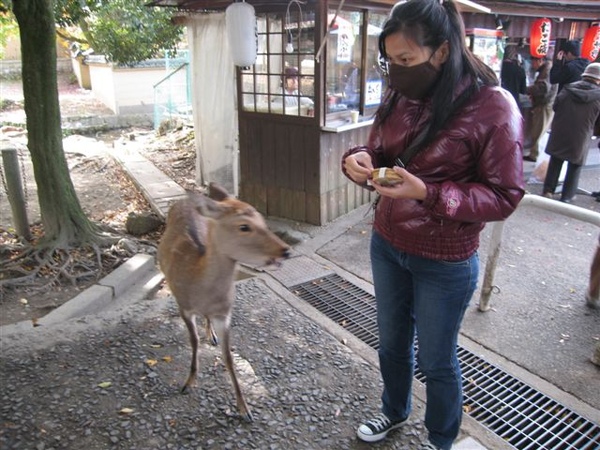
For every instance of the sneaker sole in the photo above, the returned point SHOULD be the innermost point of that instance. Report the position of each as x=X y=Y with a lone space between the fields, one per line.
x=380 y=436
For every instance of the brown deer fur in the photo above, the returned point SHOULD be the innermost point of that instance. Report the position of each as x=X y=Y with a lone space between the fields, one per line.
x=593 y=292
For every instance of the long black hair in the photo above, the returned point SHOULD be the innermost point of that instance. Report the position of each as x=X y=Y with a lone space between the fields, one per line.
x=430 y=23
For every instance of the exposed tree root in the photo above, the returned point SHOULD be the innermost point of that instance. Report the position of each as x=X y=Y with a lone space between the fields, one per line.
x=45 y=267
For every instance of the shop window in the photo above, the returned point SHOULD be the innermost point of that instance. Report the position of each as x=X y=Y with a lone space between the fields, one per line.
x=354 y=78
x=282 y=80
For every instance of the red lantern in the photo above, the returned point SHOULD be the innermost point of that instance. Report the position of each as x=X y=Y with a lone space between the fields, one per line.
x=540 y=37
x=591 y=43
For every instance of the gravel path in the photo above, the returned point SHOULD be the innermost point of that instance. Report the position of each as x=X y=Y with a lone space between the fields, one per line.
x=113 y=383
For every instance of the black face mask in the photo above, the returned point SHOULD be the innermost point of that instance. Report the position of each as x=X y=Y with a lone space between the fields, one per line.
x=413 y=82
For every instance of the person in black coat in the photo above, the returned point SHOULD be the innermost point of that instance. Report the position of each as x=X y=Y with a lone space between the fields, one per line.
x=569 y=65
x=512 y=74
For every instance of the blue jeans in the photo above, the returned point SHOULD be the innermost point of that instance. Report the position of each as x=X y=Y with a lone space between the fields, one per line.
x=428 y=298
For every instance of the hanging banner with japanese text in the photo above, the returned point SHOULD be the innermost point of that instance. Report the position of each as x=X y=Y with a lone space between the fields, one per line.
x=539 y=37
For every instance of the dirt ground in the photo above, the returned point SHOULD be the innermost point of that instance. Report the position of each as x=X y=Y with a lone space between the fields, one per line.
x=105 y=192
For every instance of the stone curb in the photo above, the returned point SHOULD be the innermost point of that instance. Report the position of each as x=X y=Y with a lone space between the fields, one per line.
x=138 y=272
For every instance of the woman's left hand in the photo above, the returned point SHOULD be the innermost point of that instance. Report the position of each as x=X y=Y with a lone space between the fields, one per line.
x=410 y=187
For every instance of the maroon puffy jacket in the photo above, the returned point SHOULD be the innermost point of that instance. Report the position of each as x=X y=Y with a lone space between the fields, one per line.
x=473 y=170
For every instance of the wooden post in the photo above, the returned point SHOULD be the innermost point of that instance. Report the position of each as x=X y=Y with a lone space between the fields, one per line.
x=14 y=187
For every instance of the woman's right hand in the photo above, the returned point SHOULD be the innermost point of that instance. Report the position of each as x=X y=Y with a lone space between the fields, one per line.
x=359 y=166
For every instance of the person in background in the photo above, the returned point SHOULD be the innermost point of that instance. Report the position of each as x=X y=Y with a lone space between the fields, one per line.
x=576 y=114
x=351 y=82
x=291 y=94
x=568 y=66
x=512 y=73
x=444 y=108
x=542 y=94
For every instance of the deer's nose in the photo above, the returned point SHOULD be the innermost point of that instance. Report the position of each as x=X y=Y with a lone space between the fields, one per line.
x=286 y=253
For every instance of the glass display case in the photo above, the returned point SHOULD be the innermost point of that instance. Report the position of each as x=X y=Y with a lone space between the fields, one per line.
x=282 y=81
x=354 y=78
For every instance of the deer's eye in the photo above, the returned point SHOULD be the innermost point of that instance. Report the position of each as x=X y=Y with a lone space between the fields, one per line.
x=245 y=228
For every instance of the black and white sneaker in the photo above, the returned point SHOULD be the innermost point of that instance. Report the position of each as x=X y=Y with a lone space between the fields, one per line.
x=377 y=428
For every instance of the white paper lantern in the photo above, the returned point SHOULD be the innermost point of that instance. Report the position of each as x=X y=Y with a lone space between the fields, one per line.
x=240 y=21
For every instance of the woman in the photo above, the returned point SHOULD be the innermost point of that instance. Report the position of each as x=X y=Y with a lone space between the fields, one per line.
x=459 y=137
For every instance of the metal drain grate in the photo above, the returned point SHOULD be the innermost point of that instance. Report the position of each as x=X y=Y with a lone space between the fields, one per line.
x=518 y=413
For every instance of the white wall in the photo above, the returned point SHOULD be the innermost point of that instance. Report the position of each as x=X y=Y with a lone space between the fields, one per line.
x=125 y=90
x=103 y=88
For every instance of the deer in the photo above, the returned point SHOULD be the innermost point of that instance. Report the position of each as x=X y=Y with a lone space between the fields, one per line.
x=204 y=239
x=592 y=295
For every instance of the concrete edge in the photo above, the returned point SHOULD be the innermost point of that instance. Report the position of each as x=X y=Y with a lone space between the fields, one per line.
x=128 y=273
x=134 y=304
x=106 y=294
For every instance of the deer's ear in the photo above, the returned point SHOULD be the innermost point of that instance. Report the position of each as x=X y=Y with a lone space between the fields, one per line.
x=208 y=207
x=217 y=192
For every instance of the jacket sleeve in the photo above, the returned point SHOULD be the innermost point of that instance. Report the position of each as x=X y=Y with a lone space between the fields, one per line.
x=498 y=185
x=373 y=148
x=563 y=73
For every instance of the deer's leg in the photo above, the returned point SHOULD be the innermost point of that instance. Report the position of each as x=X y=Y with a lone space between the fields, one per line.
x=210 y=333
x=593 y=294
x=221 y=326
x=190 y=323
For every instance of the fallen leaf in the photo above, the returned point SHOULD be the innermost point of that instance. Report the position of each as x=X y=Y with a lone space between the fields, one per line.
x=167 y=358
x=126 y=411
x=105 y=384
x=151 y=362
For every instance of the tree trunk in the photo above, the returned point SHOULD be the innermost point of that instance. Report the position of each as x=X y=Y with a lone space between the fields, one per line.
x=64 y=221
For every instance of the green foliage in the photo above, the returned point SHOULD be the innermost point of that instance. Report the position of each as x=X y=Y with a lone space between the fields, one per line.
x=8 y=27
x=71 y=13
x=125 y=31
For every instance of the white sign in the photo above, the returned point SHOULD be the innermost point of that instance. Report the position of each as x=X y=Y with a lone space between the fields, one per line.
x=373 y=94
x=344 y=47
